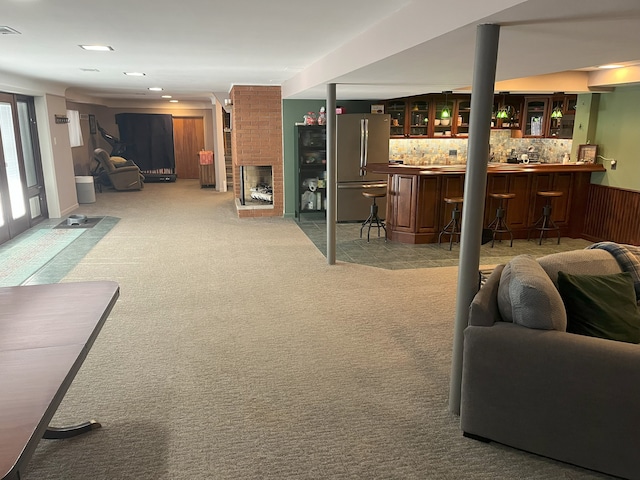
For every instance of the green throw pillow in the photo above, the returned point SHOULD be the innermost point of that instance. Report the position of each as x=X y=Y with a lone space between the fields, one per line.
x=601 y=305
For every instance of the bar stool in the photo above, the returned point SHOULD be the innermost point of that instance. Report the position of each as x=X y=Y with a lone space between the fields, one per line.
x=499 y=224
x=452 y=228
x=545 y=223
x=373 y=215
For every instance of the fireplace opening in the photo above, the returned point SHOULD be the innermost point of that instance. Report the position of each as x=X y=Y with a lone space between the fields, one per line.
x=256 y=185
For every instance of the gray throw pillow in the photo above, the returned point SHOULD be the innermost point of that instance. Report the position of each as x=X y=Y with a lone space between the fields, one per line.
x=535 y=301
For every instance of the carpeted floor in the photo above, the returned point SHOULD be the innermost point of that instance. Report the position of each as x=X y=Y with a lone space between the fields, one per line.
x=236 y=352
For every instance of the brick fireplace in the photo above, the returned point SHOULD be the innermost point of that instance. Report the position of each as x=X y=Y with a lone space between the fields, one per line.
x=256 y=140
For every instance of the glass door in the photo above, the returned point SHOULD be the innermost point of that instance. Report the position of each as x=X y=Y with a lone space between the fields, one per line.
x=535 y=112
x=419 y=118
x=31 y=157
x=20 y=175
x=397 y=110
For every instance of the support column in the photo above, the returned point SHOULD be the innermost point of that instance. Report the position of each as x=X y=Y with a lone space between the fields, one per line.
x=475 y=185
x=332 y=176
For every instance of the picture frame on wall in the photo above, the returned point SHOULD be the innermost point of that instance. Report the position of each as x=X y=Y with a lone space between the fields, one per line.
x=92 y=124
x=587 y=153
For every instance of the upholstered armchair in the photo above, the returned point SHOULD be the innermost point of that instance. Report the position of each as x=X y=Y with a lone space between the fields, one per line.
x=127 y=177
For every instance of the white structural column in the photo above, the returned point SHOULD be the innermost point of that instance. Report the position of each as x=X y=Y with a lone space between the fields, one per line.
x=475 y=185
x=332 y=176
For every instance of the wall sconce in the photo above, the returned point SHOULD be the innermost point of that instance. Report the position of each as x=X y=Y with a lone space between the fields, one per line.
x=61 y=119
x=612 y=161
x=228 y=102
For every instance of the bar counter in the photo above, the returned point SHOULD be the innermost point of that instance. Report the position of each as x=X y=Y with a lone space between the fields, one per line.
x=416 y=211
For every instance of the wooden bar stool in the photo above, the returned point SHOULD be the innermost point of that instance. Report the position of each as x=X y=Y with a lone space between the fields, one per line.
x=373 y=215
x=453 y=228
x=545 y=223
x=499 y=224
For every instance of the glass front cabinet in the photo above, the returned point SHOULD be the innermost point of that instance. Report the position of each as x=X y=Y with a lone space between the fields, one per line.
x=562 y=116
x=419 y=114
x=449 y=115
x=535 y=114
x=311 y=152
x=397 y=109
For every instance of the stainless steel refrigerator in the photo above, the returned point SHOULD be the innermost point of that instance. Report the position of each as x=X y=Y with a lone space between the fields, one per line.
x=362 y=139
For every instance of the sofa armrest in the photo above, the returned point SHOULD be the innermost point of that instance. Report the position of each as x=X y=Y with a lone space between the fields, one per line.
x=484 y=307
x=557 y=394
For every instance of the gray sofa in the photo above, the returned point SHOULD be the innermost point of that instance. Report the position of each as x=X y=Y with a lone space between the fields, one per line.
x=570 y=397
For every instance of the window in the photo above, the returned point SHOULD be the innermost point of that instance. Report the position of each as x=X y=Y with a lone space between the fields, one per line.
x=75 y=132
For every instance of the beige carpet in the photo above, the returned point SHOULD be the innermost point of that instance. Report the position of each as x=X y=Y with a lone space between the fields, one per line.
x=235 y=352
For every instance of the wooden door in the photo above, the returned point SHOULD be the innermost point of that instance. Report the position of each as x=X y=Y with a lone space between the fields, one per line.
x=188 y=140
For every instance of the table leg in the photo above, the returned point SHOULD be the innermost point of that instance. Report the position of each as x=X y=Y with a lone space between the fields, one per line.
x=57 y=433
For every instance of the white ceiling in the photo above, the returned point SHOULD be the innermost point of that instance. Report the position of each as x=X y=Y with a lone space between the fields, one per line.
x=374 y=49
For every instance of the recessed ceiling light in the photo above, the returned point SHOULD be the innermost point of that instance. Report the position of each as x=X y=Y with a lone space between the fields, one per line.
x=612 y=65
x=97 y=48
x=155 y=89
x=173 y=101
x=4 y=30
x=166 y=96
x=89 y=69
x=135 y=74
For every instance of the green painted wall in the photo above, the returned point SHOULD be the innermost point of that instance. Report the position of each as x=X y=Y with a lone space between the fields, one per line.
x=616 y=134
x=293 y=111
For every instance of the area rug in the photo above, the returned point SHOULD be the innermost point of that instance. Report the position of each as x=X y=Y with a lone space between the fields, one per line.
x=21 y=259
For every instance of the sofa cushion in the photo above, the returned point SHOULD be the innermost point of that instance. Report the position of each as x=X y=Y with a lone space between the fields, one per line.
x=529 y=297
x=579 y=262
x=601 y=305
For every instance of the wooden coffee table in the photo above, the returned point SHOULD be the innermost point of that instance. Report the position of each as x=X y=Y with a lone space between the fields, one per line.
x=46 y=332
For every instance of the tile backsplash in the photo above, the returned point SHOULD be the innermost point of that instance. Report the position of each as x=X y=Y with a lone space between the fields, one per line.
x=442 y=151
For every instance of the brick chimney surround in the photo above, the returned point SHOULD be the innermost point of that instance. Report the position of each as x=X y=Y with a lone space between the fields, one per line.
x=256 y=140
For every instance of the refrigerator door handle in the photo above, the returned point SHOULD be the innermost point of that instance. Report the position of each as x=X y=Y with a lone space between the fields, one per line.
x=363 y=148
x=366 y=145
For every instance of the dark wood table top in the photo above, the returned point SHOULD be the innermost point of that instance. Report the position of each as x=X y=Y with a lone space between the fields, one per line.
x=46 y=332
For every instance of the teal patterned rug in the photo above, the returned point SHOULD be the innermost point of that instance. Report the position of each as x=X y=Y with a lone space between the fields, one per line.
x=45 y=254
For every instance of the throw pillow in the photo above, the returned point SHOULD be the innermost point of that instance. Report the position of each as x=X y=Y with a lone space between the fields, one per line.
x=601 y=305
x=534 y=300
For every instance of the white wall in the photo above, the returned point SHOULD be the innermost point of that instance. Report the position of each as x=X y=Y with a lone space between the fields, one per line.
x=57 y=161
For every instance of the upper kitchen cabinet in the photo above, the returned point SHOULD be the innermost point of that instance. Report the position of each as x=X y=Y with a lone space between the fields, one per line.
x=463 y=112
x=447 y=115
x=535 y=115
x=419 y=115
x=444 y=114
x=409 y=117
x=398 y=111
x=507 y=111
x=562 y=116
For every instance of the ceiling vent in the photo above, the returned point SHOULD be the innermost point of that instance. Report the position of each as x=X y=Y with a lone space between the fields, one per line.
x=4 y=30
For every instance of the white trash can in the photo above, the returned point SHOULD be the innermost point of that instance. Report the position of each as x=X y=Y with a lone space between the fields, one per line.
x=85 y=189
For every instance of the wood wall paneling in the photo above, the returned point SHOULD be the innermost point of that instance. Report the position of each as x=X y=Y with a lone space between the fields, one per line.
x=612 y=215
